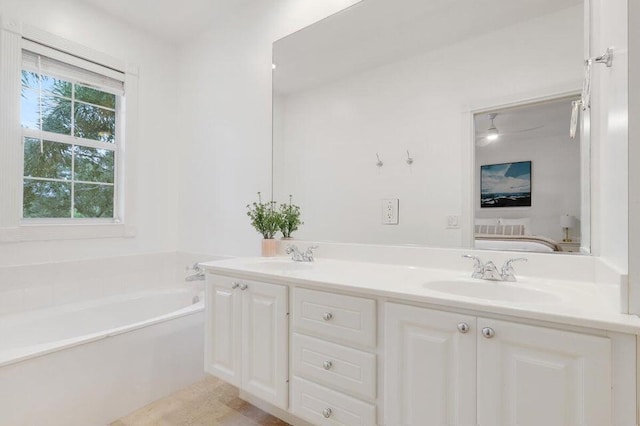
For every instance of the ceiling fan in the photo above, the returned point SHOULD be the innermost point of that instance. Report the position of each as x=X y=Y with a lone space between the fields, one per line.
x=492 y=134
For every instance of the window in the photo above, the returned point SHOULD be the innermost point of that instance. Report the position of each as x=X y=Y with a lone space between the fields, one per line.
x=71 y=114
x=65 y=129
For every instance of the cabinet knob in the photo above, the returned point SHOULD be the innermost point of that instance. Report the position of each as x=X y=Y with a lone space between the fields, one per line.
x=463 y=327
x=488 y=332
x=327 y=316
x=243 y=286
x=235 y=285
x=327 y=365
x=327 y=413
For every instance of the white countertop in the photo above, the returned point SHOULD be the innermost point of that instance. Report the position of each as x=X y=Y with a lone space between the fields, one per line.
x=572 y=303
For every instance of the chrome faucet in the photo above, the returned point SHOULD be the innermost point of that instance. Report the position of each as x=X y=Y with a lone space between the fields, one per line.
x=298 y=256
x=489 y=271
x=508 y=274
x=478 y=267
x=199 y=273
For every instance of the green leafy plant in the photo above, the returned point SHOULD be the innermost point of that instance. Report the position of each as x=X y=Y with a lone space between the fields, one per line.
x=290 y=218
x=264 y=217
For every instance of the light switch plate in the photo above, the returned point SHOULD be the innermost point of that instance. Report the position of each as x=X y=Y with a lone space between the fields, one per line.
x=453 y=222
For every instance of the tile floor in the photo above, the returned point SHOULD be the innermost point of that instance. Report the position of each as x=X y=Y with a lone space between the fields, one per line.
x=206 y=403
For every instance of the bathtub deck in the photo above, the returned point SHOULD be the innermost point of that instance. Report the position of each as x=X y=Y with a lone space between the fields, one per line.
x=208 y=402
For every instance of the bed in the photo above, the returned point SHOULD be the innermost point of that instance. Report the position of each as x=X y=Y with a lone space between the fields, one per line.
x=516 y=243
x=511 y=234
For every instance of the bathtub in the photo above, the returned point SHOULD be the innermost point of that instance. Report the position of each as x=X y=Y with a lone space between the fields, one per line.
x=91 y=362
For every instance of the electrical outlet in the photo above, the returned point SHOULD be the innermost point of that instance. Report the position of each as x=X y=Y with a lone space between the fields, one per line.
x=453 y=222
x=390 y=211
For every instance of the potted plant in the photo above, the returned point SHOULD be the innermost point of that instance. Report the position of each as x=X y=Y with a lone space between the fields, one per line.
x=266 y=220
x=289 y=219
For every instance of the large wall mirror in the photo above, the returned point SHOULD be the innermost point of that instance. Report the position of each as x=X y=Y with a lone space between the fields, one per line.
x=436 y=123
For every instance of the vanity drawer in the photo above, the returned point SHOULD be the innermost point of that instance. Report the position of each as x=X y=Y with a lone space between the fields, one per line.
x=349 y=370
x=323 y=406
x=346 y=318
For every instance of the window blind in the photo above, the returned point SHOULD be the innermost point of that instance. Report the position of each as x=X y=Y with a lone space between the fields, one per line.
x=48 y=61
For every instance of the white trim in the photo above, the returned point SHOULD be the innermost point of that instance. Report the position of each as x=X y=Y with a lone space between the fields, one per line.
x=12 y=227
x=48 y=232
x=68 y=139
x=634 y=164
x=10 y=133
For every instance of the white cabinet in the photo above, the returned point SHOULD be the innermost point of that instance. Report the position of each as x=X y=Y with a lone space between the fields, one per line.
x=531 y=376
x=224 y=319
x=429 y=367
x=333 y=383
x=347 y=319
x=451 y=369
x=324 y=406
x=247 y=336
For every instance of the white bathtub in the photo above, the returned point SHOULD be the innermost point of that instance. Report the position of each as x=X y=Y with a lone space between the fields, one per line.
x=91 y=362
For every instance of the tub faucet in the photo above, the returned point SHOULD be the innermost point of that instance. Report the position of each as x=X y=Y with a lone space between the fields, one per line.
x=199 y=273
x=489 y=271
x=298 y=256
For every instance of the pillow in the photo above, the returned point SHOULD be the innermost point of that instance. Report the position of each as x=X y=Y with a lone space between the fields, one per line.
x=525 y=222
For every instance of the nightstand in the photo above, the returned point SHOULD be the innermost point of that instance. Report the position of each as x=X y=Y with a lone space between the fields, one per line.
x=573 y=246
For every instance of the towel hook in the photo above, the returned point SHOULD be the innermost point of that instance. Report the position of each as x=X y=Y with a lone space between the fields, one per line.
x=409 y=159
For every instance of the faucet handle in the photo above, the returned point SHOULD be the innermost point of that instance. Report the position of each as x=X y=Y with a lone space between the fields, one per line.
x=291 y=249
x=478 y=268
x=478 y=261
x=195 y=267
x=507 y=269
x=308 y=254
x=508 y=263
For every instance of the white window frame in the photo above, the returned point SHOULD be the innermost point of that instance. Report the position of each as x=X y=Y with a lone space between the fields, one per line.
x=13 y=227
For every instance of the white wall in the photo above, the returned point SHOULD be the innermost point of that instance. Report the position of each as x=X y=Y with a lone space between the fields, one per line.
x=154 y=173
x=555 y=182
x=332 y=133
x=225 y=132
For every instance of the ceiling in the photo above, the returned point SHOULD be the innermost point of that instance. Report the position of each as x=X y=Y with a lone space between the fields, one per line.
x=170 y=20
x=545 y=119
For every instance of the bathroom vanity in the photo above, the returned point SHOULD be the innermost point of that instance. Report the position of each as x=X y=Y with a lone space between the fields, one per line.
x=355 y=343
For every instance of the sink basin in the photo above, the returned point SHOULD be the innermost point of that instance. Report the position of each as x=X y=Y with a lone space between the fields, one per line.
x=493 y=290
x=283 y=265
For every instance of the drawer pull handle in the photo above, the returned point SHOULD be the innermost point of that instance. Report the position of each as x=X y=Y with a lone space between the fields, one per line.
x=463 y=327
x=327 y=365
x=488 y=332
x=327 y=413
x=235 y=285
x=243 y=286
x=327 y=316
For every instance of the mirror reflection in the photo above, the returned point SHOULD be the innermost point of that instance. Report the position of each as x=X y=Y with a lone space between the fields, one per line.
x=528 y=195
x=379 y=112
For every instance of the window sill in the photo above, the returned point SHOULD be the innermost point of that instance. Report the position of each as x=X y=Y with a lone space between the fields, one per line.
x=49 y=232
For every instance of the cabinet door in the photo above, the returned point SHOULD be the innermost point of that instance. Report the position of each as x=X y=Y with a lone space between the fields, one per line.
x=429 y=367
x=222 y=339
x=265 y=329
x=532 y=376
